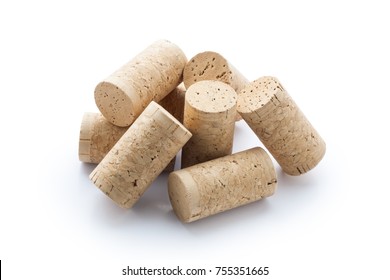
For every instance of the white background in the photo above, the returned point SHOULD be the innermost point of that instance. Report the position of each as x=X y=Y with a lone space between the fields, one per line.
x=333 y=57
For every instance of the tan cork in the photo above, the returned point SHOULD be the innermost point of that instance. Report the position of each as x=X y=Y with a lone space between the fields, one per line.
x=98 y=136
x=209 y=113
x=213 y=66
x=221 y=184
x=151 y=75
x=278 y=122
x=140 y=155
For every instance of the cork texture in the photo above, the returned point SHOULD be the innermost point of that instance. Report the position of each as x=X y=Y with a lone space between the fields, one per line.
x=213 y=66
x=149 y=76
x=278 y=122
x=140 y=155
x=209 y=113
x=221 y=184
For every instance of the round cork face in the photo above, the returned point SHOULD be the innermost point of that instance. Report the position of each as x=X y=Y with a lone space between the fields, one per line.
x=211 y=96
x=257 y=94
x=206 y=66
x=184 y=196
x=114 y=104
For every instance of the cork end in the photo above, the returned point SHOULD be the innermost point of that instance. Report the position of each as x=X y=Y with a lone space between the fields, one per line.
x=85 y=137
x=258 y=94
x=211 y=97
x=114 y=104
x=207 y=66
x=184 y=196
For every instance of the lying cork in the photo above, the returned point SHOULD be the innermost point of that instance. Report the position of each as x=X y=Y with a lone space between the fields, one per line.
x=209 y=113
x=213 y=66
x=98 y=136
x=218 y=185
x=278 y=122
x=151 y=75
x=140 y=155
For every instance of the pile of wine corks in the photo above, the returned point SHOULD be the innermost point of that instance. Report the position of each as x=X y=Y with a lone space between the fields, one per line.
x=160 y=103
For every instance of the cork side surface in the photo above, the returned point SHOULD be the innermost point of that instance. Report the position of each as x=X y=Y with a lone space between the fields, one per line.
x=278 y=122
x=209 y=113
x=222 y=184
x=150 y=75
x=140 y=155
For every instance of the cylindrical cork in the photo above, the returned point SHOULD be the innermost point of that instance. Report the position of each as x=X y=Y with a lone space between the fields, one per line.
x=98 y=136
x=174 y=102
x=278 y=122
x=213 y=66
x=221 y=184
x=209 y=113
x=140 y=155
x=151 y=75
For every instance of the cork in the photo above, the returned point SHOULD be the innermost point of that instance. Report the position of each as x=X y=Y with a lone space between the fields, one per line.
x=150 y=75
x=221 y=184
x=209 y=113
x=140 y=155
x=213 y=66
x=98 y=136
x=282 y=127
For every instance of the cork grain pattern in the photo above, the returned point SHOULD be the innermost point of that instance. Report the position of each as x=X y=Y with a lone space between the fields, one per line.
x=209 y=113
x=149 y=76
x=140 y=155
x=218 y=185
x=213 y=66
x=278 y=122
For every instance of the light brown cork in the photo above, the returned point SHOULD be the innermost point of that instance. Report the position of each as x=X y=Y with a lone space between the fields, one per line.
x=151 y=75
x=98 y=136
x=221 y=184
x=140 y=155
x=213 y=66
x=278 y=122
x=209 y=113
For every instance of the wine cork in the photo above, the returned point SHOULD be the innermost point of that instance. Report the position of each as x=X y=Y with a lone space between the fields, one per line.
x=140 y=155
x=278 y=122
x=151 y=75
x=209 y=113
x=221 y=184
x=98 y=136
x=213 y=66
x=174 y=102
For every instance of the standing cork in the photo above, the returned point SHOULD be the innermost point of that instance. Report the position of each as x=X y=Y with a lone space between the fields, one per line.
x=278 y=122
x=221 y=184
x=98 y=136
x=209 y=113
x=140 y=155
x=151 y=75
x=213 y=66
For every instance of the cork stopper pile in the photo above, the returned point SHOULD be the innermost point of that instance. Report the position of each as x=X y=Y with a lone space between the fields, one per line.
x=160 y=103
